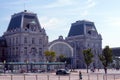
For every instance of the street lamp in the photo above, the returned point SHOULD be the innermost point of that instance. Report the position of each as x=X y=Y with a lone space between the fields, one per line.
x=27 y=65
x=71 y=62
x=65 y=64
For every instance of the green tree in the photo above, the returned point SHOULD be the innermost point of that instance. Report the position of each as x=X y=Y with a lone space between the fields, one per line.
x=61 y=58
x=50 y=56
x=88 y=57
x=106 y=57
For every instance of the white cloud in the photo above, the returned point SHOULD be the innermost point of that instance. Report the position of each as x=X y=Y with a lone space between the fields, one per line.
x=54 y=27
x=50 y=23
x=88 y=5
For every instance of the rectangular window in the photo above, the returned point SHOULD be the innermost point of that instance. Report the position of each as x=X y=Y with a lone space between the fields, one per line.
x=13 y=40
x=40 y=41
x=16 y=51
x=16 y=40
x=9 y=41
x=40 y=51
x=33 y=40
x=25 y=50
x=25 y=40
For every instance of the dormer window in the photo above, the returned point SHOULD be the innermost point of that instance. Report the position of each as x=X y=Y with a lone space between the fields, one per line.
x=31 y=26
x=89 y=32
x=27 y=26
x=33 y=40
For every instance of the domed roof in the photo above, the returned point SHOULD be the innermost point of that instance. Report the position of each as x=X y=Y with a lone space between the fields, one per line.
x=22 y=19
x=81 y=28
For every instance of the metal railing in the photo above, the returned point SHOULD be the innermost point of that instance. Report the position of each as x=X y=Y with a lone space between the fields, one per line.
x=56 y=77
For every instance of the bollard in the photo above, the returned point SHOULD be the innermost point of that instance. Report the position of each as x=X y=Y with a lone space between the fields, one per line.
x=114 y=76
x=103 y=77
x=58 y=77
x=24 y=76
x=106 y=76
x=48 y=77
x=97 y=77
x=11 y=77
x=88 y=77
x=36 y=77
x=69 y=77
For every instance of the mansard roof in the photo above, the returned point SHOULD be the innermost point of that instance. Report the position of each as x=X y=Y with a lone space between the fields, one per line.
x=79 y=27
x=19 y=20
x=15 y=22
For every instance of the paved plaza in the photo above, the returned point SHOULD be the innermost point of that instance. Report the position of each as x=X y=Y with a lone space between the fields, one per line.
x=97 y=75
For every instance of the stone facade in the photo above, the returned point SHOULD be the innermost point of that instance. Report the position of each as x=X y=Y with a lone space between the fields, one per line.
x=26 y=40
x=61 y=47
x=82 y=35
x=3 y=49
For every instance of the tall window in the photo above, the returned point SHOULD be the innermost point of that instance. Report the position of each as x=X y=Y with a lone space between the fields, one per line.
x=25 y=50
x=33 y=40
x=13 y=40
x=40 y=51
x=16 y=40
x=16 y=51
x=9 y=41
x=40 y=41
x=25 y=40
x=33 y=51
x=10 y=52
x=13 y=51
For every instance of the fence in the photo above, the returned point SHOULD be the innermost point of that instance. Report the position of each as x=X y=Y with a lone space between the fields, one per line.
x=55 y=77
x=101 y=77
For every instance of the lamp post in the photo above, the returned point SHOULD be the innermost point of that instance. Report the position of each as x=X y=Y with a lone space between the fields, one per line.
x=47 y=65
x=4 y=62
x=65 y=64
x=71 y=62
x=27 y=65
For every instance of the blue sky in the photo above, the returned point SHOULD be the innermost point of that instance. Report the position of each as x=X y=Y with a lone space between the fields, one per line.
x=56 y=16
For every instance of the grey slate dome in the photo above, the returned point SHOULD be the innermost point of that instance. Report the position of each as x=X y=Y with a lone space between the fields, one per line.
x=81 y=28
x=23 y=20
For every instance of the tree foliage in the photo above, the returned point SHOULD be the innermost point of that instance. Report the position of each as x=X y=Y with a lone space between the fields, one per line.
x=88 y=55
x=50 y=56
x=106 y=57
x=63 y=58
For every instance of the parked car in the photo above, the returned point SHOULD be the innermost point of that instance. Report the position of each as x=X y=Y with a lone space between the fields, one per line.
x=62 y=72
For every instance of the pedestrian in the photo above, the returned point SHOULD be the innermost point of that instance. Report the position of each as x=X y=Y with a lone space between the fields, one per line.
x=80 y=75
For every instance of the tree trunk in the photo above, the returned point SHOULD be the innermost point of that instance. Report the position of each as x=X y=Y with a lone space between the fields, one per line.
x=105 y=68
x=87 y=68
